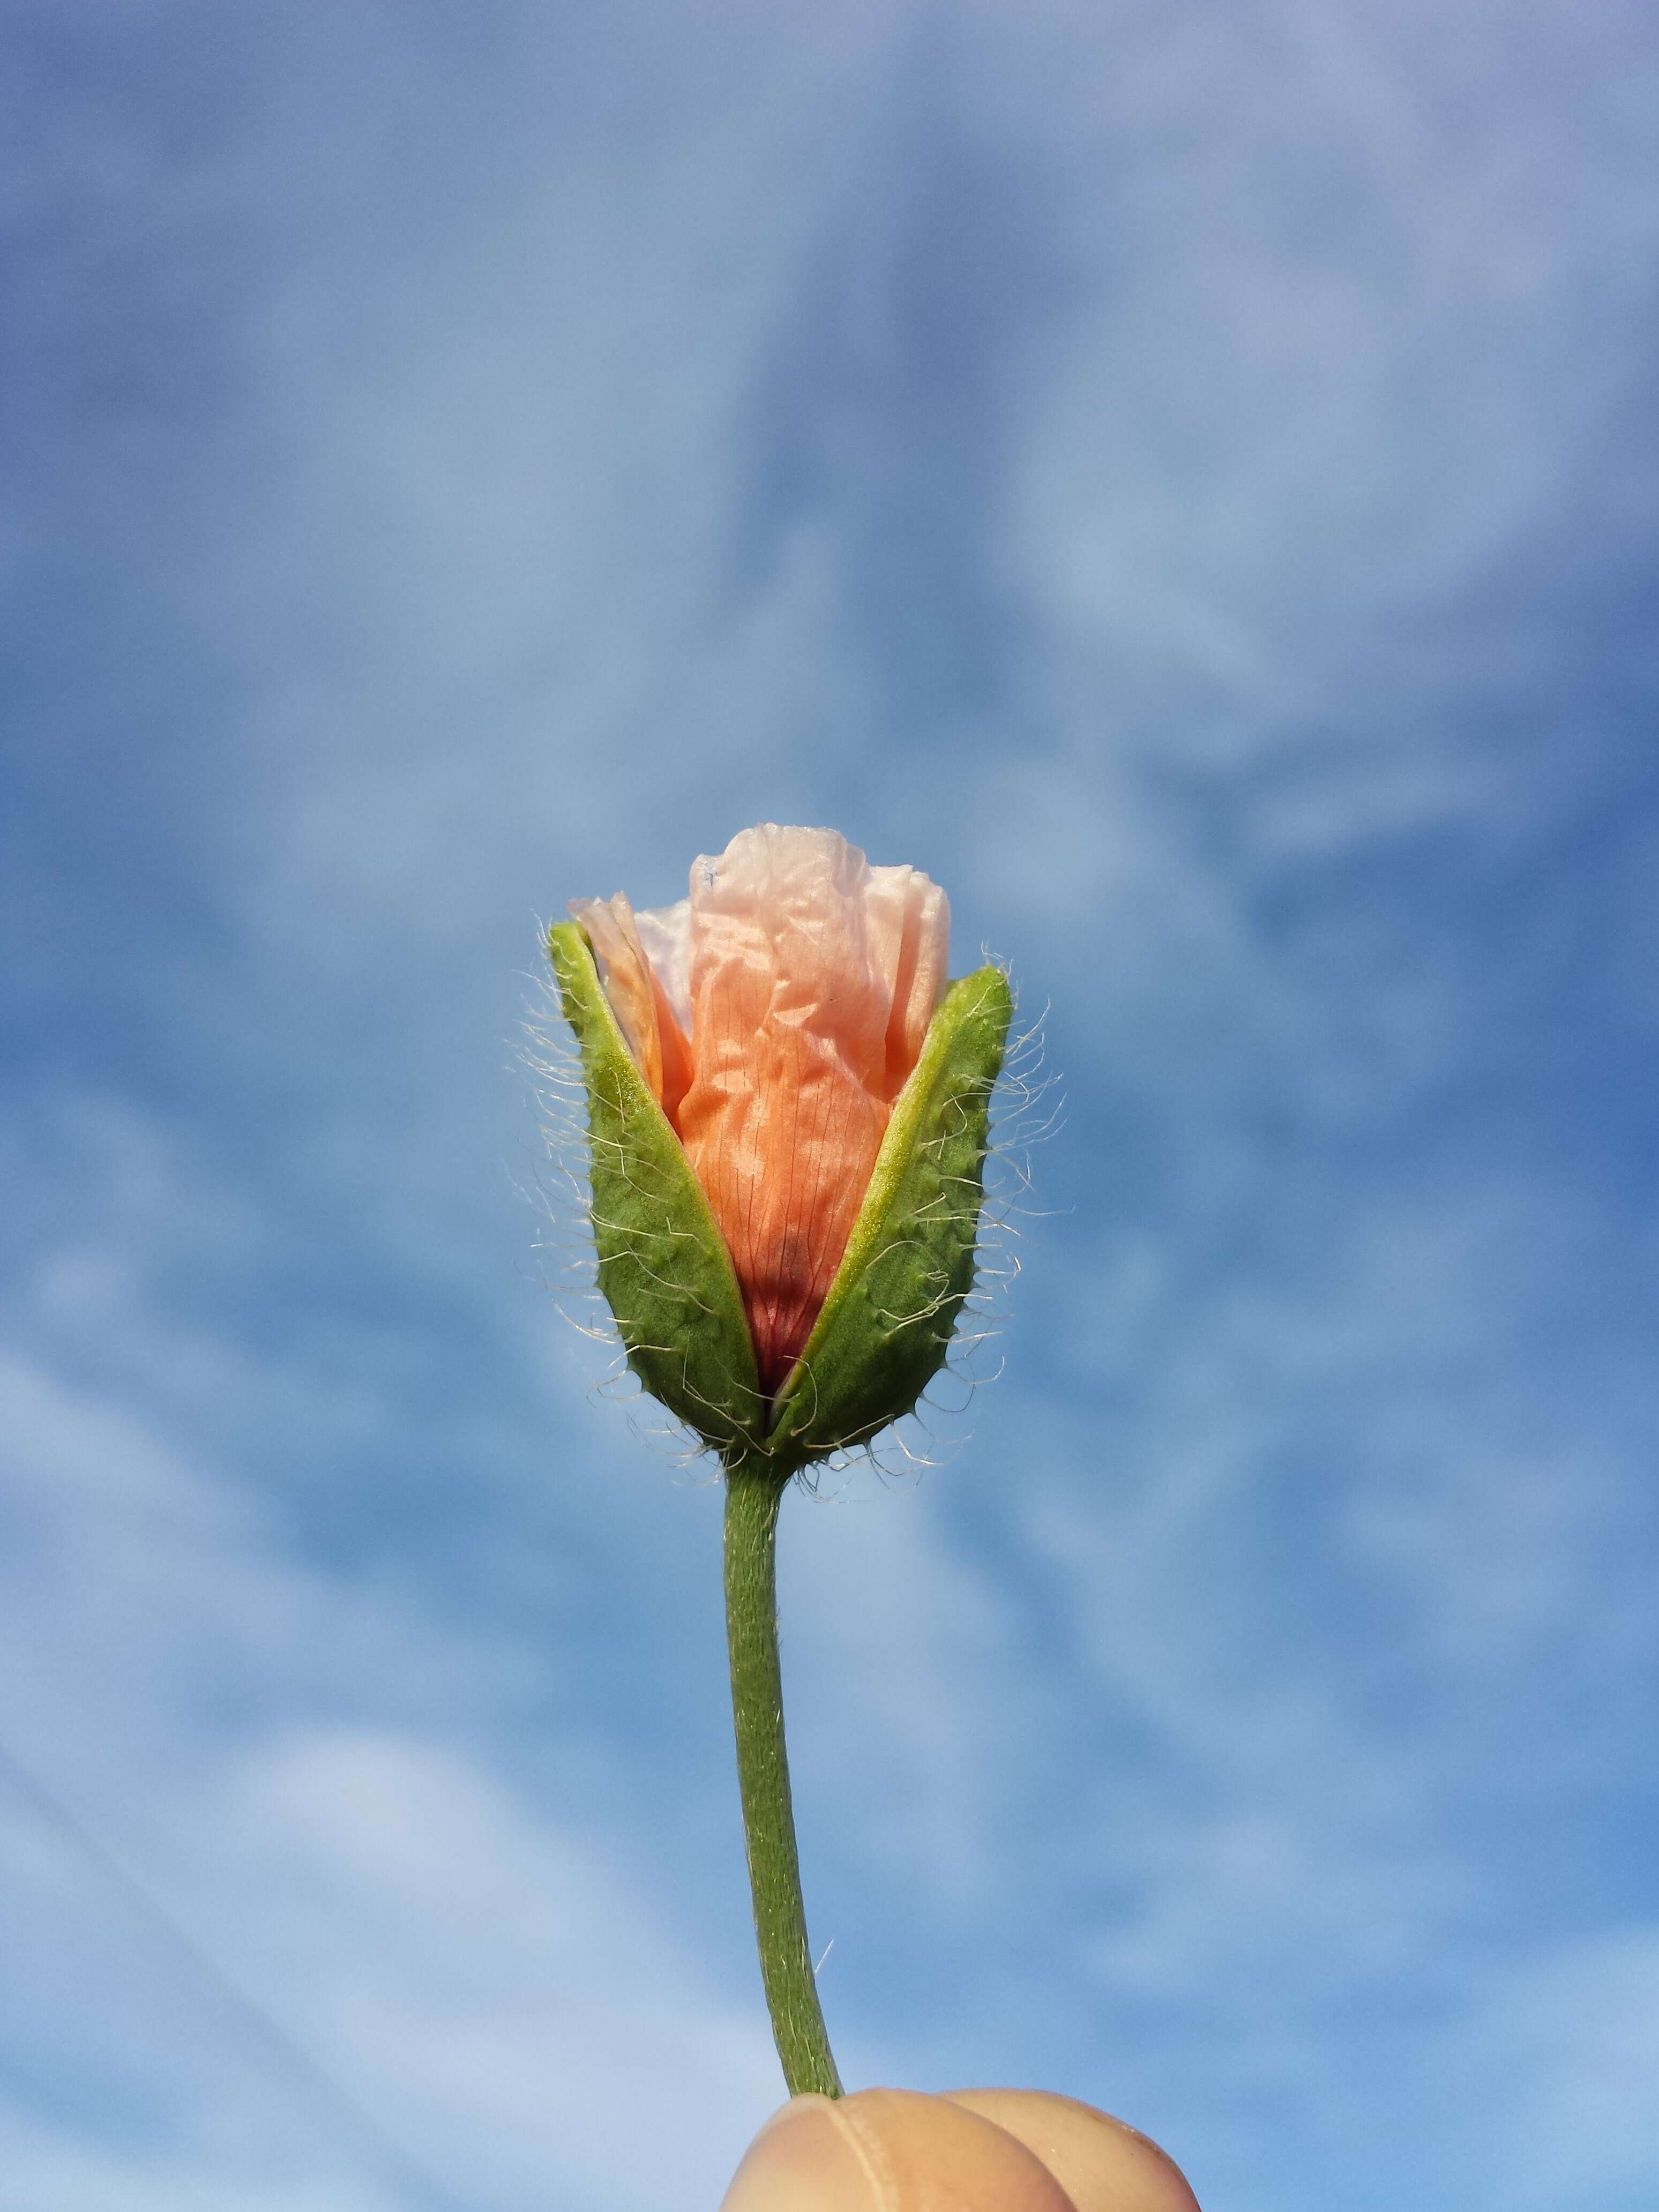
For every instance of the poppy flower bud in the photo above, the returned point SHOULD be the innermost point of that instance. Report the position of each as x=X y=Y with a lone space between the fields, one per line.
x=788 y=1112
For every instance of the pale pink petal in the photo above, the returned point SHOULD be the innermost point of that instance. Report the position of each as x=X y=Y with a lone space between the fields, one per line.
x=626 y=974
x=918 y=970
x=777 y=1014
x=665 y=933
x=637 y=998
x=791 y=980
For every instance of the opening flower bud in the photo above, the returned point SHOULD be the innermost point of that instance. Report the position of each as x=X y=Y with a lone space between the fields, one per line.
x=788 y=1117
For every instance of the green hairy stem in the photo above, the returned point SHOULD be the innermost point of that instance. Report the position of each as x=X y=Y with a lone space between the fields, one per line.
x=753 y=1496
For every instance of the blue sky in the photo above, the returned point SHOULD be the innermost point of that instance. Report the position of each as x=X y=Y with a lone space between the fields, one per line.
x=1186 y=477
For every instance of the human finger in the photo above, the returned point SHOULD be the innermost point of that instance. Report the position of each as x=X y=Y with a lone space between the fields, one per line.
x=1103 y=2164
x=889 y=2150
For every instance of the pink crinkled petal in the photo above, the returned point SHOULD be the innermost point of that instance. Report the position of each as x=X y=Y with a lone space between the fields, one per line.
x=637 y=998
x=807 y=979
x=796 y=948
x=921 y=957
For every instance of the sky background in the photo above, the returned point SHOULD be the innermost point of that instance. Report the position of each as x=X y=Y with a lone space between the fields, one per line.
x=1187 y=475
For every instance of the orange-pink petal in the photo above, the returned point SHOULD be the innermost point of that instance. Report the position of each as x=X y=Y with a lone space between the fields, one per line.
x=808 y=980
x=920 y=951
x=637 y=997
x=796 y=948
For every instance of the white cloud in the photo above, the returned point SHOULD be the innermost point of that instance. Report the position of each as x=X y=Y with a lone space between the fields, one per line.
x=1571 y=2053
x=907 y=1691
x=479 y=1977
x=1353 y=315
x=61 y=2170
x=1205 y=1686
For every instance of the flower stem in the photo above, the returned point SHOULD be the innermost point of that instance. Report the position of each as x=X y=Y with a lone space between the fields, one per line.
x=753 y=1496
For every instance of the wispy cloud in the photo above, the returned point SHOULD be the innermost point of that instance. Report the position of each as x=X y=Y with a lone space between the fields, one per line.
x=315 y=1931
x=1180 y=475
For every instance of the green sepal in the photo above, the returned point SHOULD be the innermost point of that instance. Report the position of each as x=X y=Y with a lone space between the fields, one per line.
x=663 y=1266
x=886 y=1327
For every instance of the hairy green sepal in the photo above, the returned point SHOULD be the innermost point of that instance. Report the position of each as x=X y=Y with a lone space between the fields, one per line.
x=663 y=1266
x=886 y=1327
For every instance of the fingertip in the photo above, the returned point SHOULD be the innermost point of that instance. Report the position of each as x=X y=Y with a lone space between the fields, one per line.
x=800 y=2161
x=1103 y=2164
x=889 y=2150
